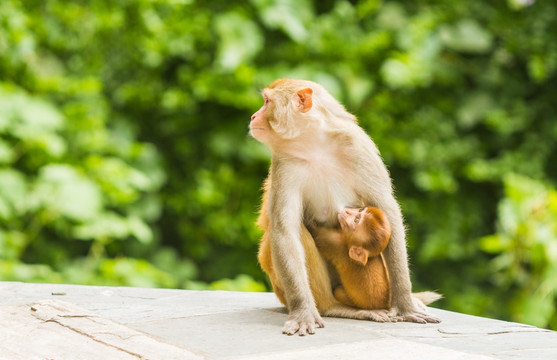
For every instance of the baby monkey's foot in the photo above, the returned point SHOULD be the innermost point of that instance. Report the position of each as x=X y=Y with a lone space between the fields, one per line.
x=382 y=316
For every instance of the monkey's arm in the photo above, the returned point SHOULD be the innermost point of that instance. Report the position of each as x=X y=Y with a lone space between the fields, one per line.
x=397 y=264
x=288 y=256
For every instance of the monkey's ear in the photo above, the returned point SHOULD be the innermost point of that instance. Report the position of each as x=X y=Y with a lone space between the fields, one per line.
x=304 y=100
x=359 y=254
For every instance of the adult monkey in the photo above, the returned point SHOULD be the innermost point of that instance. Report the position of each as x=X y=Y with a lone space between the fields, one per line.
x=322 y=162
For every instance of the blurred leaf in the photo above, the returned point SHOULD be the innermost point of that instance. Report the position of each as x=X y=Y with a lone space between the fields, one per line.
x=33 y=120
x=62 y=189
x=474 y=108
x=7 y=154
x=140 y=230
x=241 y=40
x=520 y=4
x=168 y=259
x=16 y=271
x=392 y=15
x=291 y=16
x=134 y=272
x=241 y=283
x=535 y=310
x=13 y=192
x=466 y=36
x=436 y=180
x=494 y=244
x=113 y=226
x=12 y=244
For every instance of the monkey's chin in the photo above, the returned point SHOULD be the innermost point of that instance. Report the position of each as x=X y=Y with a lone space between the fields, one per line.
x=256 y=134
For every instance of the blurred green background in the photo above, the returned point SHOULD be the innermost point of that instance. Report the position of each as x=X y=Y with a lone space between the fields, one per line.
x=125 y=159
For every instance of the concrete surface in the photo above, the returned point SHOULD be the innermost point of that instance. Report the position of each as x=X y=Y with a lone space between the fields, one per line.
x=47 y=321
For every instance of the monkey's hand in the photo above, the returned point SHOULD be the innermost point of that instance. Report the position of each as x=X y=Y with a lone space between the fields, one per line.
x=303 y=322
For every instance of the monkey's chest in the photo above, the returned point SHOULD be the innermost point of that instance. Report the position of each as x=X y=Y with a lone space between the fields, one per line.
x=325 y=197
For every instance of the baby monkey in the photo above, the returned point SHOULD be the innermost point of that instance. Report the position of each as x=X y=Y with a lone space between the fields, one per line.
x=355 y=250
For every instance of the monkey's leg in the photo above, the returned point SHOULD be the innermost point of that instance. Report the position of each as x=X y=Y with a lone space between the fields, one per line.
x=265 y=260
x=343 y=311
x=318 y=273
x=281 y=253
x=342 y=296
x=352 y=312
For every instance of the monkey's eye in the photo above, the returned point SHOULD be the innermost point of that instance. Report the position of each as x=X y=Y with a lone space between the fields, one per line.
x=356 y=219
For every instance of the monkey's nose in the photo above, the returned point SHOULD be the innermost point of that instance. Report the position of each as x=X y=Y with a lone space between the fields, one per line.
x=252 y=117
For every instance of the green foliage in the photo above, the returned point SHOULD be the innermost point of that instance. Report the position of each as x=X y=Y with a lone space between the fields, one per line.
x=241 y=283
x=525 y=246
x=124 y=155
x=73 y=178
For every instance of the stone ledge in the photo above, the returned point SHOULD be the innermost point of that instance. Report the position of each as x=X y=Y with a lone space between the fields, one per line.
x=50 y=321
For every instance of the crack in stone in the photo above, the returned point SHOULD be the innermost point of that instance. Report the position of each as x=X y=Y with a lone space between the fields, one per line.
x=92 y=337
x=500 y=332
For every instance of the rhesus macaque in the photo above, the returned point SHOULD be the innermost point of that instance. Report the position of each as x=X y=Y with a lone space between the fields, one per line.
x=355 y=250
x=320 y=157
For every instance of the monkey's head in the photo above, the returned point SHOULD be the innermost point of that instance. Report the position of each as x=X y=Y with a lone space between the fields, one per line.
x=295 y=109
x=366 y=232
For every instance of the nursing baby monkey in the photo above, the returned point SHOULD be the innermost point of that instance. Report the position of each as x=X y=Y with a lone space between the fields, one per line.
x=322 y=162
x=355 y=250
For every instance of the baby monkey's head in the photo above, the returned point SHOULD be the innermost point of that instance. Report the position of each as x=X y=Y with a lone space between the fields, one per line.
x=365 y=231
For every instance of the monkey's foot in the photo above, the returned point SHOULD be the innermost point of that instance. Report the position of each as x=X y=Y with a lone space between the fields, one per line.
x=419 y=317
x=303 y=322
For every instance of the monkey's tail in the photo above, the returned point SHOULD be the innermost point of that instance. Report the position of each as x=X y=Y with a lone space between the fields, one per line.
x=427 y=297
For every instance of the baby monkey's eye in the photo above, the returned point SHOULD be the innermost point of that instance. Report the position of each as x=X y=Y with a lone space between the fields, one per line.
x=356 y=219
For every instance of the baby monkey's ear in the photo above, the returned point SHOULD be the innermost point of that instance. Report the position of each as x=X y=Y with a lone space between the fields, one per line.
x=359 y=254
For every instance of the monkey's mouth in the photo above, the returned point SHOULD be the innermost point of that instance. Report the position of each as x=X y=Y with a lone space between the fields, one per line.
x=342 y=221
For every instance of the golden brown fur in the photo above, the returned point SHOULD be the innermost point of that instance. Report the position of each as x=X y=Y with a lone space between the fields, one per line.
x=355 y=251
